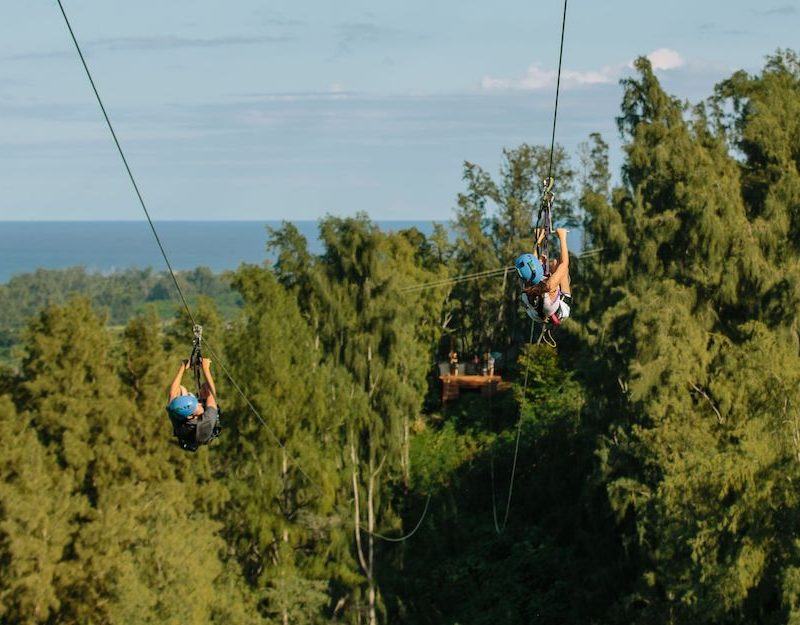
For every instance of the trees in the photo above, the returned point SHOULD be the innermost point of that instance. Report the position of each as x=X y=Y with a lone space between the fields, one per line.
x=284 y=519
x=363 y=323
x=122 y=294
x=684 y=303
x=659 y=446
x=37 y=521
x=94 y=518
x=375 y=340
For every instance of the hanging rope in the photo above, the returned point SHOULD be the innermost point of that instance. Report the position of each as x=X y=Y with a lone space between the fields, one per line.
x=499 y=528
x=181 y=295
x=125 y=162
x=546 y=337
x=402 y=539
x=544 y=221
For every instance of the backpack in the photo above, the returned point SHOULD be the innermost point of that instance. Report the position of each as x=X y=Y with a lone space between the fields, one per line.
x=200 y=431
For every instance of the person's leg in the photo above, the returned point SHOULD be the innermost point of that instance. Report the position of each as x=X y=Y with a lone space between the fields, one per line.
x=208 y=386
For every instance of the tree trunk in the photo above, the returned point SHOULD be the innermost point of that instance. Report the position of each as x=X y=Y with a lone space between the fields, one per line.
x=284 y=474
x=406 y=455
x=362 y=559
x=405 y=445
x=373 y=620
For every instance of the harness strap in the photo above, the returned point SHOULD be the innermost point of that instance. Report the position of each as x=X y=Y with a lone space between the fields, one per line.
x=544 y=221
x=196 y=358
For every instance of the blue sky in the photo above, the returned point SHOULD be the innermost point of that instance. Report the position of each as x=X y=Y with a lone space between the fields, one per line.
x=287 y=110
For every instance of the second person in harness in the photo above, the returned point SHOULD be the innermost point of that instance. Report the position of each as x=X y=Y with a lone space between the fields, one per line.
x=546 y=295
x=195 y=418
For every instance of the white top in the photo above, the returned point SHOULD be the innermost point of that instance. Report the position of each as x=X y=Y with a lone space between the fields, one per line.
x=550 y=306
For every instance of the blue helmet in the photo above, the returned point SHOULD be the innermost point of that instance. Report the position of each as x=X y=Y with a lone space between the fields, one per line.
x=183 y=406
x=529 y=268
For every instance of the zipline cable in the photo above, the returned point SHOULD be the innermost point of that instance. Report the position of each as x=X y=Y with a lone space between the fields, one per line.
x=547 y=224
x=490 y=273
x=448 y=281
x=558 y=89
x=466 y=275
x=142 y=203
x=182 y=297
x=125 y=162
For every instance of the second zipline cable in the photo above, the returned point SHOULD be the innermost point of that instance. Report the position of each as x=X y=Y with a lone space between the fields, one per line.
x=181 y=295
x=142 y=203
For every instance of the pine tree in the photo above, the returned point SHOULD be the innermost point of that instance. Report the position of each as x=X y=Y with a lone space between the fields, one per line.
x=370 y=332
x=38 y=517
x=126 y=549
x=284 y=508
x=145 y=372
x=699 y=442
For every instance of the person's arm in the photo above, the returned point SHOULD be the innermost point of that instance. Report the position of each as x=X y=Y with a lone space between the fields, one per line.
x=563 y=266
x=211 y=400
x=175 y=386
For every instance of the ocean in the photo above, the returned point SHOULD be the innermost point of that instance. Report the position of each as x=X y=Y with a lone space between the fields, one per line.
x=107 y=246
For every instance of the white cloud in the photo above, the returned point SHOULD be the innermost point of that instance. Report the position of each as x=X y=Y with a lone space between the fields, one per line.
x=598 y=77
x=665 y=59
x=536 y=77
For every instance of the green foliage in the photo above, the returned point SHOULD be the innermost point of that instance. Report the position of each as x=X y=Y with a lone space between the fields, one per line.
x=693 y=330
x=123 y=294
x=284 y=517
x=557 y=560
x=655 y=453
x=97 y=525
x=300 y=600
x=36 y=522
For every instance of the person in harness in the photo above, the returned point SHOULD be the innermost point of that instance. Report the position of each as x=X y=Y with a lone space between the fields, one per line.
x=195 y=418
x=546 y=292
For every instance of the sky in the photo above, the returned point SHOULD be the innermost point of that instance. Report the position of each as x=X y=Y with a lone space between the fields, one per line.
x=286 y=110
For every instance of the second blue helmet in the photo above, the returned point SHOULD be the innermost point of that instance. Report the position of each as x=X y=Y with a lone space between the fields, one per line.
x=529 y=268
x=183 y=406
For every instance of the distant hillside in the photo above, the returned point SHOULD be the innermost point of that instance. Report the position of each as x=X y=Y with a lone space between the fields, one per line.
x=122 y=295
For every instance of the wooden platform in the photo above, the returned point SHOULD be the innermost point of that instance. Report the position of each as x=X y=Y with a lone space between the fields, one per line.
x=487 y=384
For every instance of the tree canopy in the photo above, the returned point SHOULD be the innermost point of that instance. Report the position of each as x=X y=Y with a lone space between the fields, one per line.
x=654 y=453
